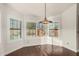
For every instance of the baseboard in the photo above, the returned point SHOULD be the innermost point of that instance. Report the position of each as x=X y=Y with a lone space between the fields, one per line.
x=12 y=51
x=33 y=45
x=70 y=49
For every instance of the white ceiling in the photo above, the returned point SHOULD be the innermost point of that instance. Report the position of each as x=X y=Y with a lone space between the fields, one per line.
x=38 y=8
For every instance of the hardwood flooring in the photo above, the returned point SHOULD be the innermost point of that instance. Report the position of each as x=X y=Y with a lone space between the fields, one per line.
x=43 y=50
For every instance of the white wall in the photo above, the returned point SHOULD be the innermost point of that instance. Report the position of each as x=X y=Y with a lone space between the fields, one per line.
x=9 y=45
x=3 y=28
x=1 y=45
x=17 y=43
x=68 y=36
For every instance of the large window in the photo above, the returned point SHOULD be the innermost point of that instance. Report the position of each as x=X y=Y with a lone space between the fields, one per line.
x=51 y=29
x=40 y=29
x=54 y=28
x=15 y=29
x=31 y=28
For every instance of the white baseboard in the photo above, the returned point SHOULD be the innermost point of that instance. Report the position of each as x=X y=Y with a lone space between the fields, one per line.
x=12 y=50
x=70 y=49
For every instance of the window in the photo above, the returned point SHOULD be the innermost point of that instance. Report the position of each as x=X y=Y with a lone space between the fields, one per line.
x=31 y=28
x=51 y=29
x=40 y=29
x=54 y=29
x=15 y=29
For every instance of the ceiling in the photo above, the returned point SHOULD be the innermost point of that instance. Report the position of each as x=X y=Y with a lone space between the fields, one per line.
x=38 y=8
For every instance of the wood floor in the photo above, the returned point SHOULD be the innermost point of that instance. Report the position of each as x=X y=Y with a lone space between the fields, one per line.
x=43 y=50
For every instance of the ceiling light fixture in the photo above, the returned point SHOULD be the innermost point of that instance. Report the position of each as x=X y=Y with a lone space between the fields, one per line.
x=45 y=19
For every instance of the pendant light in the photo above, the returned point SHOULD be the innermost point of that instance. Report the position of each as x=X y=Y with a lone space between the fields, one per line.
x=45 y=21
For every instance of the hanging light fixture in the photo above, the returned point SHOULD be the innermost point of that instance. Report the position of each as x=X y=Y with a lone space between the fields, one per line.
x=45 y=21
x=44 y=25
